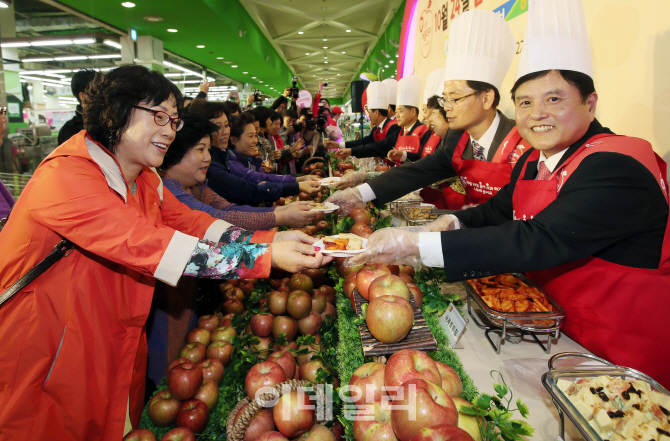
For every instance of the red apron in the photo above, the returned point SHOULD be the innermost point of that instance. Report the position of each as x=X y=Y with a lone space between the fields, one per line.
x=483 y=179
x=411 y=143
x=378 y=135
x=616 y=312
x=431 y=145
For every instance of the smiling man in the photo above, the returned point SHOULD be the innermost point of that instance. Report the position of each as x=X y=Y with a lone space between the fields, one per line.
x=585 y=214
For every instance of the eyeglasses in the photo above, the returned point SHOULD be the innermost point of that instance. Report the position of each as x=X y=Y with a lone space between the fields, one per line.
x=162 y=119
x=452 y=103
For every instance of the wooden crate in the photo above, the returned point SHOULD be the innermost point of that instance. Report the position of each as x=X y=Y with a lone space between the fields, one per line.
x=420 y=337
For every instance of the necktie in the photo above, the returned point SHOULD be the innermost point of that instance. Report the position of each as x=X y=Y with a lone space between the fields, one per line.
x=478 y=151
x=543 y=172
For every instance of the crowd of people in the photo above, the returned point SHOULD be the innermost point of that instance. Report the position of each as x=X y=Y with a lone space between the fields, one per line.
x=151 y=187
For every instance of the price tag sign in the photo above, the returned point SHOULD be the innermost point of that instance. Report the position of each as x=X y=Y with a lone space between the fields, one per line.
x=453 y=323
x=395 y=222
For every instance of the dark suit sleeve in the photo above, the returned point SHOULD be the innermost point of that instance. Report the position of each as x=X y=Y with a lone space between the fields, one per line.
x=607 y=200
x=399 y=181
x=378 y=148
x=424 y=139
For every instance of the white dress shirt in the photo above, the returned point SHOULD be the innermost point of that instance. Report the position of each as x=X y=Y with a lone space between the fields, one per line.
x=487 y=139
x=552 y=162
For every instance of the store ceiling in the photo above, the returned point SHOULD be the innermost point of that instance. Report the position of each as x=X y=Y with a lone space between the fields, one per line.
x=259 y=37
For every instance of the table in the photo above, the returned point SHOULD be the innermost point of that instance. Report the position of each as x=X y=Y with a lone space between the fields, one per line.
x=479 y=359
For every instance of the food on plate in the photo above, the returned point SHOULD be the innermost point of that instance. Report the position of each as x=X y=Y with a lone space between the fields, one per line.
x=343 y=242
x=619 y=409
x=318 y=206
x=508 y=293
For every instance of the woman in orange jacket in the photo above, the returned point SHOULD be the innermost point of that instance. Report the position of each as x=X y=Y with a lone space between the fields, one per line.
x=74 y=348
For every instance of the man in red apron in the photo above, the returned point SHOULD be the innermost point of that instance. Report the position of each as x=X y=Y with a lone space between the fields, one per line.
x=475 y=69
x=585 y=214
x=376 y=108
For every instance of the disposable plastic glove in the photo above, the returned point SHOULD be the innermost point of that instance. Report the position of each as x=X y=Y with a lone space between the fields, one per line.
x=388 y=245
x=446 y=222
x=352 y=179
x=347 y=200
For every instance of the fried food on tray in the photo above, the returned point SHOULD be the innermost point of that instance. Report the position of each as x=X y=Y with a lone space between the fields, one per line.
x=318 y=206
x=508 y=293
x=343 y=242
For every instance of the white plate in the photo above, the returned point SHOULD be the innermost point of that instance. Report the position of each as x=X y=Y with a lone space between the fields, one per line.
x=329 y=182
x=339 y=253
x=330 y=208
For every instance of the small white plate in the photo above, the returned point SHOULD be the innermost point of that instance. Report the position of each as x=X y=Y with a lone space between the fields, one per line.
x=330 y=208
x=338 y=253
x=329 y=182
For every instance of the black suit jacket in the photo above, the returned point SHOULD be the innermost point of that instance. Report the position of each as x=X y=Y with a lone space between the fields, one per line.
x=611 y=208
x=435 y=167
x=369 y=139
x=381 y=148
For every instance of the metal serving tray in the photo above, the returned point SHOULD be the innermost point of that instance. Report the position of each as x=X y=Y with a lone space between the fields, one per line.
x=563 y=403
x=503 y=321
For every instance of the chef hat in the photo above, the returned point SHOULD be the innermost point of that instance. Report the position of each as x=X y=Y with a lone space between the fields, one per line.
x=392 y=89
x=409 y=91
x=481 y=48
x=556 y=38
x=434 y=84
x=378 y=96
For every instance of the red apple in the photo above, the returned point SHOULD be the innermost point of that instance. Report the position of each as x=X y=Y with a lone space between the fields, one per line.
x=290 y=345
x=233 y=294
x=408 y=364
x=360 y=216
x=263 y=304
x=395 y=270
x=162 y=408
x=260 y=424
x=442 y=433
x=194 y=352
x=347 y=268
x=261 y=324
x=262 y=346
x=192 y=414
x=285 y=325
x=224 y=333
x=318 y=301
x=201 y=335
x=322 y=225
x=349 y=286
x=209 y=322
x=361 y=230
x=221 y=350
x=298 y=304
x=175 y=363
x=232 y=306
x=246 y=286
x=308 y=371
x=208 y=394
x=277 y=302
x=184 y=380
x=389 y=318
x=272 y=436
x=310 y=325
x=311 y=350
x=140 y=435
x=294 y=413
x=407 y=269
x=467 y=422
x=367 y=275
x=223 y=287
x=286 y=361
x=318 y=433
x=451 y=382
x=405 y=278
x=421 y=404
x=388 y=285
x=416 y=292
x=300 y=282
x=372 y=422
x=329 y=312
x=263 y=374
x=329 y=292
x=179 y=434
x=367 y=384
x=226 y=320
x=212 y=370
x=315 y=274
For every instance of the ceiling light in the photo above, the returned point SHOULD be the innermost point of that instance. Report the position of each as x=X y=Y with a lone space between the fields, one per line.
x=172 y=30
x=325 y=58
x=386 y=65
x=325 y=39
x=306 y=53
x=17 y=44
x=325 y=47
x=70 y=58
x=95 y=57
x=245 y=73
x=112 y=44
x=260 y=81
x=396 y=55
x=200 y=46
x=170 y=75
x=4 y=5
x=234 y=66
x=343 y=52
x=51 y=43
x=348 y=30
x=153 y=18
x=253 y=78
x=128 y=4
x=325 y=62
x=183 y=69
x=391 y=61
x=301 y=32
x=219 y=58
x=35 y=60
x=338 y=74
x=84 y=41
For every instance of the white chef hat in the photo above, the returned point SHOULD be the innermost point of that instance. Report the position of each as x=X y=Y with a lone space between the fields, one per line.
x=409 y=91
x=434 y=84
x=556 y=38
x=392 y=88
x=378 y=96
x=481 y=48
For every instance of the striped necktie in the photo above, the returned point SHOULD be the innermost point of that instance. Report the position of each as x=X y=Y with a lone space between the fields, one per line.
x=478 y=151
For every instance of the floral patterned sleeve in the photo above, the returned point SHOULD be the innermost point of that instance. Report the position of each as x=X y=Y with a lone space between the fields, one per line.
x=234 y=257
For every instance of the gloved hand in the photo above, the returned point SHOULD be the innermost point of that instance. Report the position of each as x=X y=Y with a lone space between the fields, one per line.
x=446 y=222
x=343 y=153
x=388 y=245
x=352 y=179
x=347 y=200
